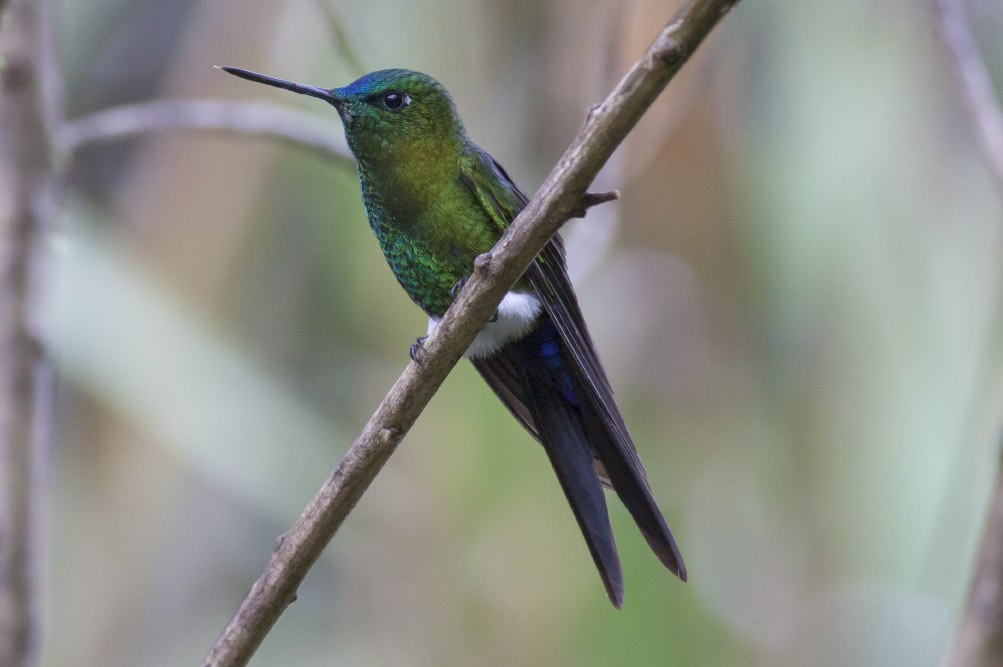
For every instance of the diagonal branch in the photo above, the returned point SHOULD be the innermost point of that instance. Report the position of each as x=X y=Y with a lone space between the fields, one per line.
x=560 y=197
x=244 y=118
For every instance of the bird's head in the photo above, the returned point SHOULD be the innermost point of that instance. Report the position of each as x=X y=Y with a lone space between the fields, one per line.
x=385 y=110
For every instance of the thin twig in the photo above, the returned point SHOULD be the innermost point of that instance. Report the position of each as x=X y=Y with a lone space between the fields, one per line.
x=978 y=85
x=245 y=118
x=25 y=170
x=590 y=199
x=494 y=273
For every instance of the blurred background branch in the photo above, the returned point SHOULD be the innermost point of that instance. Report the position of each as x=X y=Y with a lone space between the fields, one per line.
x=977 y=84
x=301 y=129
x=340 y=37
x=26 y=206
x=978 y=640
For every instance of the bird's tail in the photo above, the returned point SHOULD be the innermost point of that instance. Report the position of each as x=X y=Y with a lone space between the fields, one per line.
x=560 y=431
x=627 y=479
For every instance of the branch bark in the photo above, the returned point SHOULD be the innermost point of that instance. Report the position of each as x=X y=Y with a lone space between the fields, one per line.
x=560 y=197
x=25 y=186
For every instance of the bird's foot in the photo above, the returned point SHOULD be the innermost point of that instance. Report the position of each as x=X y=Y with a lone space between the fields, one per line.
x=454 y=291
x=416 y=349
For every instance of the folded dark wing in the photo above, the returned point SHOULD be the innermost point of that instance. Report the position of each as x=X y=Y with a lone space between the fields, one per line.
x=605 y=428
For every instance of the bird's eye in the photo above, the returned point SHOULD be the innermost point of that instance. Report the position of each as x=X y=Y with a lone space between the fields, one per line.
x=395 y=101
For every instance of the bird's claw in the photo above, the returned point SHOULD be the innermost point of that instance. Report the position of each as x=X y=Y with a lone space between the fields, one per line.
x=455 y=289
x=417 y=347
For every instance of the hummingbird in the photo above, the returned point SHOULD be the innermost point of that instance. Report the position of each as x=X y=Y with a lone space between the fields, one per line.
x=435 y=201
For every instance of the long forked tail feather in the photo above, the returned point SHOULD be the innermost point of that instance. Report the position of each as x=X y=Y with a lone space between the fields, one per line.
x=633 y=492
x=562 y=437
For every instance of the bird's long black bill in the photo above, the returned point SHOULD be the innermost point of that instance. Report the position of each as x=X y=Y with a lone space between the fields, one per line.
x=302 y=89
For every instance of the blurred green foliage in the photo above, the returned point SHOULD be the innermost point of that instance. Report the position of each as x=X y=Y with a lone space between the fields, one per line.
x=796 y=300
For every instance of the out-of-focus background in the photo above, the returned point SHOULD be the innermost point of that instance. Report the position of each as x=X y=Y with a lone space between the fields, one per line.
x=796 y=300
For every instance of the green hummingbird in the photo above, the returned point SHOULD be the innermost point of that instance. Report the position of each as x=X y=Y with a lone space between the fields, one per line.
x=436 y=201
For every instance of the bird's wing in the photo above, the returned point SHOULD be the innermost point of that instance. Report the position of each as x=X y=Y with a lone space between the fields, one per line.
x=502 y=200
x=503 y=378
x=603 y=424
x=491 y=186
x=616 y=456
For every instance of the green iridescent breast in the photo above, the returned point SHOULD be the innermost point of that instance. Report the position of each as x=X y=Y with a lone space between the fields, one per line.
x=430 y=234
